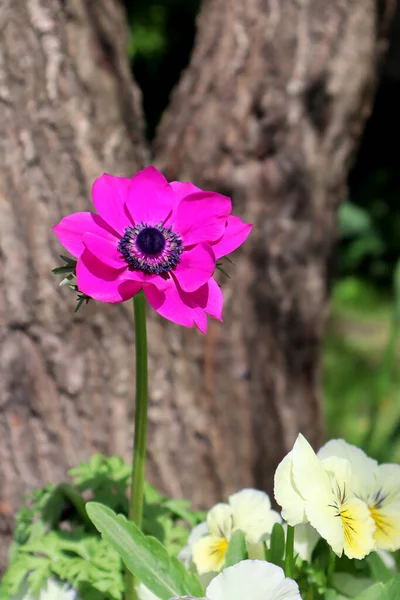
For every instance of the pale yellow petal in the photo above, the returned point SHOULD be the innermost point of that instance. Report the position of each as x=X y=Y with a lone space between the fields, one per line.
x=209 y=553
x=341 y=476
x=387 y=533
x=220 y=520
x=359 y=528
x=363 y=467
x=384 y=504
x=252 y=514
x=286 y=493
x=309 y=475
x=305 y=540
x=323 y=514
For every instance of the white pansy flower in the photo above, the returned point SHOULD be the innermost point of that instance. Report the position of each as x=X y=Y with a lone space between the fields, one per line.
x=248 y=510
x=377 y=485
x=305 y=540
x=53 y=590
x=321 y=492
x=251 y=580
x=198 y=532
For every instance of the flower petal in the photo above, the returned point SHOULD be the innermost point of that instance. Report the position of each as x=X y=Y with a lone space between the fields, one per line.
x=287 y=494
x=236 y=232
x=363 y=467
x=102 y=282
x=105 y=250
x=309 y=475
x=198 y=532
x=384 y=506
x=253 y=580
x=201 y=217
x=209 y=553
x=200 y=320
x=323 y=516
x=71 y=229
x=220 y=520
x=252 y=514
x=305 y=540
x=109 y=195
x=176 y=305
x=183 y=189
x=195 y=268
x=150 y=199
x=215 y=300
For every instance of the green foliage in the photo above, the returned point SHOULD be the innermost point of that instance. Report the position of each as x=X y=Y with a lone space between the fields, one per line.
x=69 y=269
x=54 y=536
x=237 y=549
x=144 y=556
x=276 y=550
x=379 y=570
x=160 y=42
x=361 y=382
x=86 y=562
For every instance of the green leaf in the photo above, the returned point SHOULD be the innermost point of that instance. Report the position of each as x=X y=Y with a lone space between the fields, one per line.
x=396 y=284
x=144 y=556
x=353 y=220
x=391 y=590
x=379 y=570
x=236 y=550
x=350 y=585
x=373 y=593
x=277 y=545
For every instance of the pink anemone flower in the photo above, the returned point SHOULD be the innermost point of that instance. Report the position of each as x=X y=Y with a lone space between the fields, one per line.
x=159 y=237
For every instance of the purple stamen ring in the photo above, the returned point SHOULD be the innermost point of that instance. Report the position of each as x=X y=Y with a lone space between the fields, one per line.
x=151 y=248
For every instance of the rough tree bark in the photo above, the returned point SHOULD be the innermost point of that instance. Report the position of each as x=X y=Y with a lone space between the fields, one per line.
x=269 y=110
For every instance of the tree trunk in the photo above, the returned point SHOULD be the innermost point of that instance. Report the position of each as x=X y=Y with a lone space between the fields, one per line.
x=69 y=112
x=269 y=110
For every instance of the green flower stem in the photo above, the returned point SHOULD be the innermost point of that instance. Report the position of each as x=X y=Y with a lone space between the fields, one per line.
x=331 y=568
x=289 y=552
x=139 y=448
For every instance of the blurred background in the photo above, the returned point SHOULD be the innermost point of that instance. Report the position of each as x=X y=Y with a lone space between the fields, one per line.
x=270 y=117
x=362 y=351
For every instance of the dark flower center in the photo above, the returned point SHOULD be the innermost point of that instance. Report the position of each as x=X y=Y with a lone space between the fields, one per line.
x=150 y=241
x=151 y=248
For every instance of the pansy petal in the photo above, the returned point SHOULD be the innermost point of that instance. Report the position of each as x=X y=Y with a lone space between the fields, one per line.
x=220 y=520
x=195 y=268
x=198 y=532
x=384 y=505
x=209 y=553
x=252 y=514
x=102 y=282
x=322 y=515
x=253 y=580
x=215 y=300
x=387 y=527
x=201 y=217
x=287 y=494
x=363 y=467
x=309 y=475
x=105 y=250
x=109 y=195
x=348 y=528
x=71 y=229
x=305 y=540
x=235 y=233
x=150 y=199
